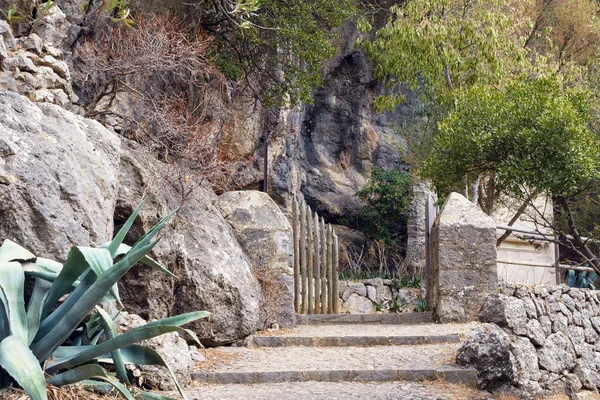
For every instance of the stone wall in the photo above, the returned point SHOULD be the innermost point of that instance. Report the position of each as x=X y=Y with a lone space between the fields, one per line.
x=367 y=296
x=538 y=338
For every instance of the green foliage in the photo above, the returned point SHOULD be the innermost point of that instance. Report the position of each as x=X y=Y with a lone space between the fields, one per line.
x=283 y=44
x=530 y=134
x=421 y=305
x=581 y=279
x=446 y=44
x=385 y=213
x=48 y=341
x=228 y=65
x=397 y=304
x=378 y=306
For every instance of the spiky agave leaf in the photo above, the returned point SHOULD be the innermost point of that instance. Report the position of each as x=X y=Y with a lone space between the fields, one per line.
x=23 y=367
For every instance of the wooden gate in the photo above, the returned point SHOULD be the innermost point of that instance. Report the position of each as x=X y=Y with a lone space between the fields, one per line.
x=316 y=262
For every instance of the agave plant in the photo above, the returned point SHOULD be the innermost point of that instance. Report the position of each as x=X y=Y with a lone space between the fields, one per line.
x=52 y=339
x=581 y=279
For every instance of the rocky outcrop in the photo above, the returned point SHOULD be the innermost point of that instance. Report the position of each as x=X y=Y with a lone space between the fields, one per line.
x=463 y=260
x=550 y=333
x=267 y=238
x=59 y=176
x=34 y=65
x=66 y=180
x=200 y=247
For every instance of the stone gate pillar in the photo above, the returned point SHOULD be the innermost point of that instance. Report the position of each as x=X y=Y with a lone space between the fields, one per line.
x=463 y=260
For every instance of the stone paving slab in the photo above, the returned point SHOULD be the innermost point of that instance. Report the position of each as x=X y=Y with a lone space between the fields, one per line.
x=338 y=391
x=344 y=341
x=448 y=374
x=375 y=330
x=391 y=318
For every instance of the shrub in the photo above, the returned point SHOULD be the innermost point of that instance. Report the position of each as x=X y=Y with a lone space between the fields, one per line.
x=384 y=215
x=49 y=337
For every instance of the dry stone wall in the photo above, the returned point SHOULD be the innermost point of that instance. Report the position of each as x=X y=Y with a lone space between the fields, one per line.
x=378 y=294
x=541 y=339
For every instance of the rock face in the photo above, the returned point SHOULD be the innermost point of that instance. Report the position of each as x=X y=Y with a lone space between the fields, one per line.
x=199 y=247
x=552 y=336
x=59 y=175
x=463 y=260
x=267 y=238
x=35 y=67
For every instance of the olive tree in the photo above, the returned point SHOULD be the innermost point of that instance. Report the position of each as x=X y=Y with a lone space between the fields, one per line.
x=529 y=138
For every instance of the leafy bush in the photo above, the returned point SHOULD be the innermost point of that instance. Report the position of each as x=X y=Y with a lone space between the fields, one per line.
x=384 y=215
x=49 y=337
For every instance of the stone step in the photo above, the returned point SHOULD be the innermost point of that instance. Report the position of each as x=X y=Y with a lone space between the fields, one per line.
x=243 y=365
x=387 y=318
x=362 y=335
x=339 y=341
x=451 y=374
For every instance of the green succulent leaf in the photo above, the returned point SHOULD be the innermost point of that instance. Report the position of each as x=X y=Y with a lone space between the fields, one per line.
x=113 y=246
x=34 y=308
x=12 y=282
x=130 y=337
x=111 y=333
x=17 y=359
x=10 y=251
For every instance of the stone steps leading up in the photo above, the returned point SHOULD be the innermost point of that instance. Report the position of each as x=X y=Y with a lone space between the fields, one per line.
x=391 y=318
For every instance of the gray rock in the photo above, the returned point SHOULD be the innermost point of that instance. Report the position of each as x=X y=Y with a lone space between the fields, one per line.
x=590 y=335
x=200 y=247
x=372 y=294
x=525 y=361
x=530 y=308
x=173 y=349
x=577 y=337
x=535 y=332
x=357 y=304
x=546 y=324
x=505 y=311
x=54 y=28
x=267 y=238
x=568 y=301
x=32 y=42
x=487 y=350
x=595 y=323
x=560 y=323
x=463 y=260
x=60 y=184
x=557 y=355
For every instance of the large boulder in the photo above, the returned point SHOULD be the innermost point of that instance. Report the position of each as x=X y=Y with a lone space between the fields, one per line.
x=59 y=175
x=463 y=260
x=267 y=238
x=488 y=351
x=505 y=311
x=199 y=246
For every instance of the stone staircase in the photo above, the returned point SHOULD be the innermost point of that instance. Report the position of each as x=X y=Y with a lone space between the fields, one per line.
x=339 y=352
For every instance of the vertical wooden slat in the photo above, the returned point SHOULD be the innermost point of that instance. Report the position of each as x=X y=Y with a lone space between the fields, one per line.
x=330 y=294
x=296 y=229
x=309 y=259
x=317 y=264
x=323 y=267
x=335 y=290
x=303 y=258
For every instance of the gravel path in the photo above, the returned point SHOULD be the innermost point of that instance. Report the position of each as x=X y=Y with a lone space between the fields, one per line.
x=375 y=330
x=342 y=391
x=327 y=358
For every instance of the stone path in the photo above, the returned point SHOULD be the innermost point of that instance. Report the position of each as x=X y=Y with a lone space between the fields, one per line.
x=343 y=360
